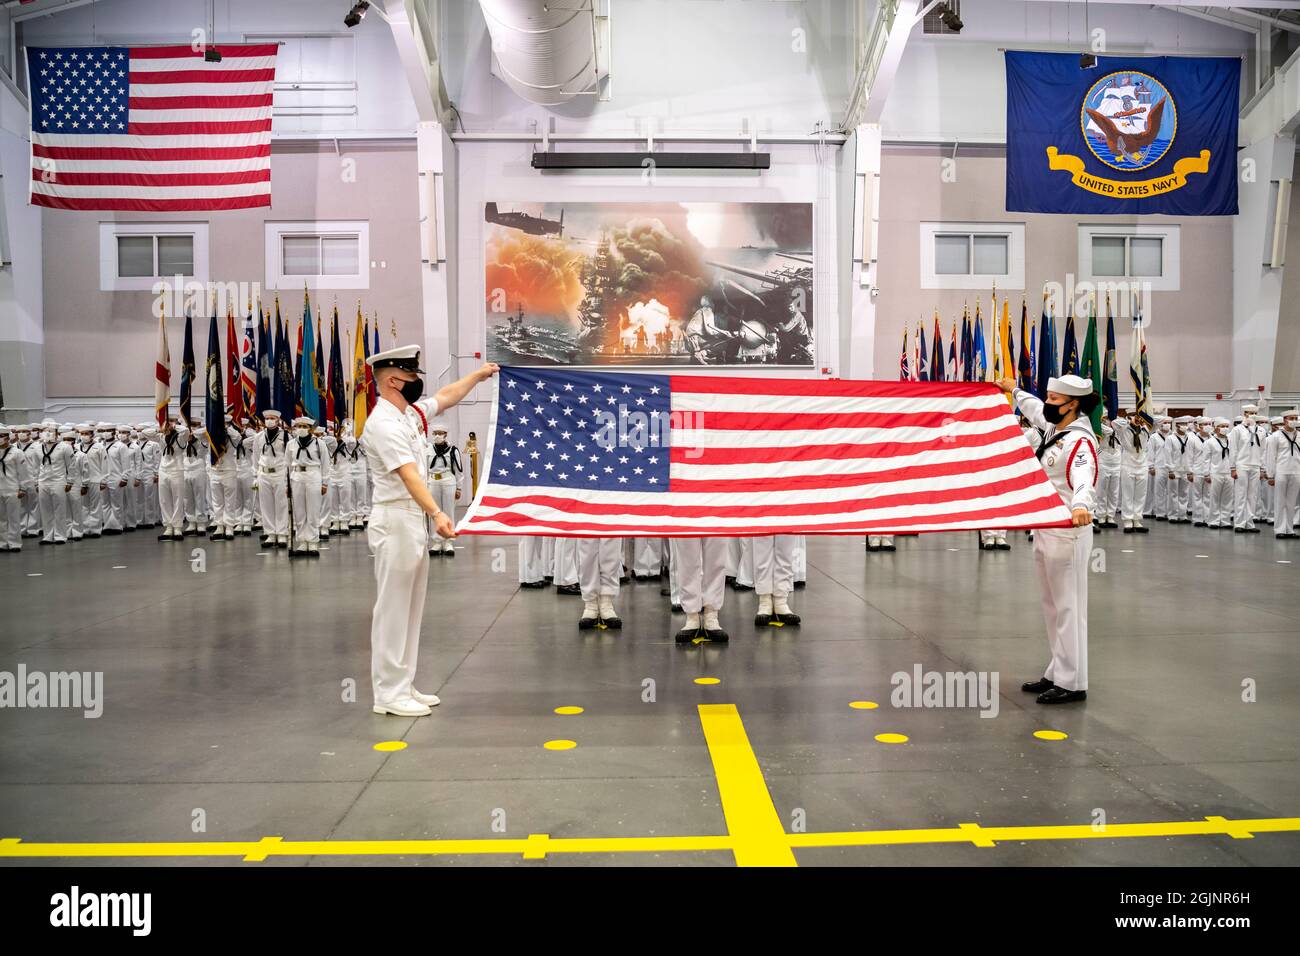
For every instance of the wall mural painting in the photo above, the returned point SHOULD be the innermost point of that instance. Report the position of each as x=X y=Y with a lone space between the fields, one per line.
x=649 y=284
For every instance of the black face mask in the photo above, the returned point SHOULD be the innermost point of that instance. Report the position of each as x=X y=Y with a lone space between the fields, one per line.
x=411 y=391
x=1053 y=413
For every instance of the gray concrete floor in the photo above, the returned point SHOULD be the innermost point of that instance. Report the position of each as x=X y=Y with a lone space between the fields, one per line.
x=223 y=692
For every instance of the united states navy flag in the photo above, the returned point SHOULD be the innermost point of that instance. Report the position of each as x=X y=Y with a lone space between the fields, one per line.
x=1131 y=136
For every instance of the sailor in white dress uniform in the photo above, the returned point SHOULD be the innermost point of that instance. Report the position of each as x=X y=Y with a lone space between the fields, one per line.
x=1068 y=452
x=395 y=449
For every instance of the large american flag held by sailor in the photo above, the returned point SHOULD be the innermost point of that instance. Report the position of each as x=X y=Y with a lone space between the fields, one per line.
x=151 y=128
x=612 y=454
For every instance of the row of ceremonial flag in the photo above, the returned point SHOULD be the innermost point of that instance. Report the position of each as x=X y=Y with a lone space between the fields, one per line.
x=971 y=357
x=267 y=366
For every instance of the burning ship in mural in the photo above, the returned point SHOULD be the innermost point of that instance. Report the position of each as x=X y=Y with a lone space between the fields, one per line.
x=657 y=284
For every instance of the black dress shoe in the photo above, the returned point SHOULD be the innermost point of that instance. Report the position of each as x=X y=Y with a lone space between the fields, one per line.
x=587 y=623
x=1142 y=529
x=613 y=623
x=999 y=545
x=873 y=547
x=742 y=587
x=1252 y=531
x=1129 y=530
x=449 y=553
x=568 y=589
x=1037 y=686
x=717 y=636
x=532 y=584
x=1059 y=695
x=677 y=609
x=888 y=547
x=687 y=635
x=729 y=581
x=762 y=620
x=800 y=585
x=788 y=619
x=435 y=552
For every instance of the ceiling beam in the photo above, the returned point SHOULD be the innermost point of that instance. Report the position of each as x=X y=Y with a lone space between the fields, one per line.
x=417 y=51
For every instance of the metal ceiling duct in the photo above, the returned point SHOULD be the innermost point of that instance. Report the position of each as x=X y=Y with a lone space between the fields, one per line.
x=544 y=51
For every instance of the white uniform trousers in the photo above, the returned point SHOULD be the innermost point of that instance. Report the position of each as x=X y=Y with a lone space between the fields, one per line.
x=306 y=504
x=1218 y=501
x=647 y=556
x=1245 y=497
x=1132 y=494
x=600 y=565
x=54 y=511
x=274 y=504
x=398 y=538
x=701 y=566
x=152 y=506
x=92 y=521
x=773 y=558
x=744 y=570
x=76 y=520
x=548 y=557
x=11 y=521
x=801 y=559
x=171 y=499
x=1179 y=496
x=135 y=498
x=223 y=492
x=341 y=500
x=360 y=498
x=1108 y=494
x=1197 y=499
x=1285 y=494
x=31 y=507
x=196 y=498
x=247 y=500
x=1061 y=557
x=532 y=563
x=565 y=566
x=1265 y=500
x=444 y=495
x=112 y=506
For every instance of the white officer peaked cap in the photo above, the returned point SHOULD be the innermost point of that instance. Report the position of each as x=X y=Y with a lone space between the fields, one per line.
x=304 y=420
x=1070 y=385
x=405 y=357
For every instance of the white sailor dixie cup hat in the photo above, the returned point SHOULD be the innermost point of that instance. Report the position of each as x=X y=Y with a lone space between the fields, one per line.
x=405 y=357
x=1070 y=385
x=304 y=420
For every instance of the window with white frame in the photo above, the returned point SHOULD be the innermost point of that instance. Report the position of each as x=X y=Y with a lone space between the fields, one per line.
x=320 y=255
x=134 y=256
x=972 y=255
x=1146 y=254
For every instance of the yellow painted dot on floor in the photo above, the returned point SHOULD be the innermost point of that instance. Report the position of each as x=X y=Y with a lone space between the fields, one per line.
x=388 y=746
x=863 y=704
x=565 y=711
x=707 y=680
x=1050 y=735
x=892 y=738
x=560 y=744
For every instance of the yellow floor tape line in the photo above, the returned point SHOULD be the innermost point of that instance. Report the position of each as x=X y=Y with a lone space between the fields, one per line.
x=754 y=833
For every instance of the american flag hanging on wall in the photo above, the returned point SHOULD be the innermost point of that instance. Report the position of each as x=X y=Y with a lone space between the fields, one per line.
x=609 y=454
x=154 y=129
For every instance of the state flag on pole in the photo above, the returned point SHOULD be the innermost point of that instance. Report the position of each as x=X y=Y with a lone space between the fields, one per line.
x=162 y=375
x=610 y=454
x=360 y=371
x=187 y=370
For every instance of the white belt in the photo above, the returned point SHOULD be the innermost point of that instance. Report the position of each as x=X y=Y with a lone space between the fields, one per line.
x=401 y=504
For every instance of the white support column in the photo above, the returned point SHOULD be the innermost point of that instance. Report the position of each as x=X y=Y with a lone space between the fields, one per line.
x=22 y=317
x=864 y=261
x=1256 y=288
x=436 y=160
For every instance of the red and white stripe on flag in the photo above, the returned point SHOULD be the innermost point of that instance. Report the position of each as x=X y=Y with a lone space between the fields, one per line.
x=153 y=129
x=755 y=456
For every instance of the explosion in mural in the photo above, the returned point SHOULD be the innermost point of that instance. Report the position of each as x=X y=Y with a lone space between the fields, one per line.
x=652 y=284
